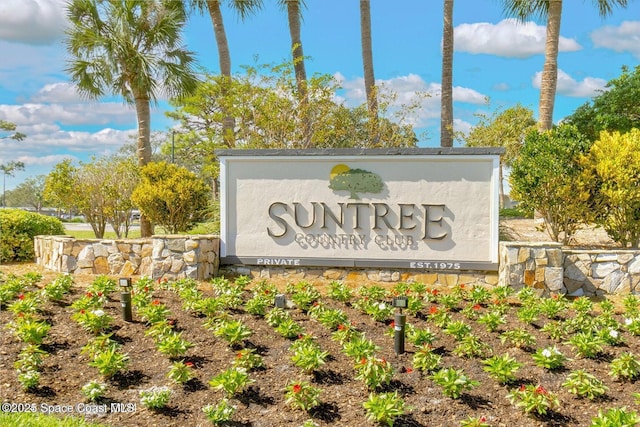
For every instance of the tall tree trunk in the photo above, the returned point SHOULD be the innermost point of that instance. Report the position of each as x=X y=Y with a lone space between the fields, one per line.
x=143 y=114
x=446 y=100
x=293 y=16
x=369 y=76
x=550 y=71
x=224 y=57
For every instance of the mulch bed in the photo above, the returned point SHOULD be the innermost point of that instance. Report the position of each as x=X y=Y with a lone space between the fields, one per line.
x=66 y=370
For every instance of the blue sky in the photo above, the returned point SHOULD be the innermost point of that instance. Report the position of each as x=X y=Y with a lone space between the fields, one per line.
x=497 y=62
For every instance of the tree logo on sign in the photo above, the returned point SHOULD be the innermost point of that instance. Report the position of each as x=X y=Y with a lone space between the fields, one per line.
x=343 y=178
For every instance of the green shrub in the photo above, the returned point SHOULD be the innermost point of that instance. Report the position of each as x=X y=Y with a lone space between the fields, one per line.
x=547 y=176
x=614 y=162
x=17 y=230
x=171 y=196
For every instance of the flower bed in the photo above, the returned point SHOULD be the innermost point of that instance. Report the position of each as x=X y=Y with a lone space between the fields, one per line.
x=203 y=353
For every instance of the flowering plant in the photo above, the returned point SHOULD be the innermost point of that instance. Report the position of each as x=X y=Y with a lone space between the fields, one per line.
x=549 y=358
x=155 y=397
x=220 y=413
x=384 y=407
x=94 y=390
x=95 y=321
x=234 y=332
x=425 y=359
x=533 y=399
x=453 y=382
x=173 y=345
x=616 y=417
x=587 y=344
x=302 y=395
x=340 y=292
x=625 y=367
x=180 y=372
x=474 y=422
x=519 y=338
x=247 y=359
x=583 y=384
x=109 y=362
x=374 y=372
x=502 y=368
x=492 y=320
x=232 y=381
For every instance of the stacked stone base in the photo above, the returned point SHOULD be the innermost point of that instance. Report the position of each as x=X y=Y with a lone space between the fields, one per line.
x=160 y=257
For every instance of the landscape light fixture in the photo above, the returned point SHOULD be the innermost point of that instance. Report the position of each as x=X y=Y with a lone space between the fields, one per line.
x=125 y=298
x=399 y=323
x=280 y=301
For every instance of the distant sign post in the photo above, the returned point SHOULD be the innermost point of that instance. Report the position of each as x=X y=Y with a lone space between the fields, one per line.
x=422 y=208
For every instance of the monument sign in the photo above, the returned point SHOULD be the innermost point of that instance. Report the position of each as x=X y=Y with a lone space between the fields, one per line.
x=417 y=208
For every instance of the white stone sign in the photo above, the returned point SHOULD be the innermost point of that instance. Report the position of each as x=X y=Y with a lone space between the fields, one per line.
x=431 y=209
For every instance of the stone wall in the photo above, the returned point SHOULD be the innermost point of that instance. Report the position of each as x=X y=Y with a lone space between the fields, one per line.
x=159 y=257
x=547 y=267
x=551 y=268
x=448 y=279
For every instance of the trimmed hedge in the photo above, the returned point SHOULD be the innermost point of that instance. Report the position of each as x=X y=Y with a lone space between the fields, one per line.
x=17 y=230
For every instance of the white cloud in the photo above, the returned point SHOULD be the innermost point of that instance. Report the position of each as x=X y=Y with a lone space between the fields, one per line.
x=624 y=38
x=568 y=86
x=509 y=38
x=92 y=113
x=32 y=21
x=502 y=87
x=408 y=90
x=60 y=93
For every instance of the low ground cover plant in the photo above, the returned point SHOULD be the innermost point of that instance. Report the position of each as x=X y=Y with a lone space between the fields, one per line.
x=327 y=360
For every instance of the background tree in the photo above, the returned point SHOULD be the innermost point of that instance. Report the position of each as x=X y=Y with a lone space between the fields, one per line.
x=367 y=64
x=547 y=177
x=7 y=131
x=446 y=98
x=9 y=169
x=551 y=10
x=269 y=115
x=100 y=190
x=59 y=186
x=506 y=129
x=171 y=196
x=615 y=109
x=29 y=193
x=244 y=8
x=131 y=48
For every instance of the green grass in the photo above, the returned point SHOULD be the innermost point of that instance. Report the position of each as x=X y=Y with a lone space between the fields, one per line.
x=41 y=420
x=515 y=213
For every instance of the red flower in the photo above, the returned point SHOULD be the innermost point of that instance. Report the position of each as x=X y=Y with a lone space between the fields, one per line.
x=363 y=360
x=433 y=310
x=341 y=327
x=189 y=364
x=21 y=296
x=541 y=390
x=522 y=387
x=434 y=292
x=89 y=295
x=392 y=324
x=462 y=286
x=146 y=289
x=477 y=307
x=266 y=291
x=99 y=294
x=239 y=355
x=409 y=370
x=297 y=388
x=82 y=311
x=483 y=419
x=155 y=302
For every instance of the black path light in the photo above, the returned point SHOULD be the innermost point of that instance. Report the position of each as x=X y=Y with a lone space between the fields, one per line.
x=125 y=298
x=281 y=301
x=399 y=322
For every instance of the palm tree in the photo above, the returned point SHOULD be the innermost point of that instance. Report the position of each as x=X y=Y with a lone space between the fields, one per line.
x=131 y=48
x=446 y=97
x=367 y=63
x=552 y=11
x=244 y=8
x=294 y=15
